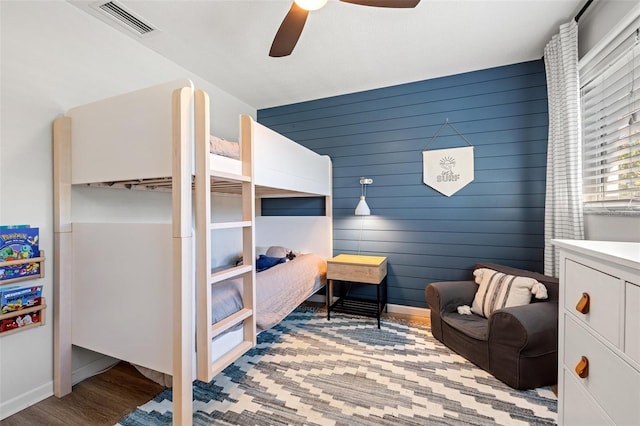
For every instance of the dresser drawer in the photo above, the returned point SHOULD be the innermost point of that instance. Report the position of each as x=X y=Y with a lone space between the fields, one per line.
x=604 y=292
x=632 y=322
x=610 y=381
x=578 y=408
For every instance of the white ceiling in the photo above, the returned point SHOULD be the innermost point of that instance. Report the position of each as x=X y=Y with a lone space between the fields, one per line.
x=343 y=48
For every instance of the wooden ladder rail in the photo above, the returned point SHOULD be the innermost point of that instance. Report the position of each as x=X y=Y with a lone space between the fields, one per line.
x=182 y=254
x=207 y=367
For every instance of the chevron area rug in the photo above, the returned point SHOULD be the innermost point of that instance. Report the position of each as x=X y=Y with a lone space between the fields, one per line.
x=310 y=371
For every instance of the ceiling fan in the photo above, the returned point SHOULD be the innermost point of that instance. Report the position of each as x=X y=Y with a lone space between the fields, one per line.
x=292 y=25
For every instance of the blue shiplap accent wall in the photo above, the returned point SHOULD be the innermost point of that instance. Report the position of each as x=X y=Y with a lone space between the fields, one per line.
x=425 y=235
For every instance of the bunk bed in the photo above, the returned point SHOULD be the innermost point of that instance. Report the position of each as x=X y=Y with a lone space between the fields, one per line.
x=140 y=290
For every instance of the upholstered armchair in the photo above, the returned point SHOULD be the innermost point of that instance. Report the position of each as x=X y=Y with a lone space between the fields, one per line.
x=517 y=344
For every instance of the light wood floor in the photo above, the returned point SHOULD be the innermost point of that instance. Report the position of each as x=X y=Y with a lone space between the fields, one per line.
x=106 y=398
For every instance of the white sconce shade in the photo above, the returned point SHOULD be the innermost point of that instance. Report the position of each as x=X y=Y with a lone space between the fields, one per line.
x=311 y=4
x=362 y=209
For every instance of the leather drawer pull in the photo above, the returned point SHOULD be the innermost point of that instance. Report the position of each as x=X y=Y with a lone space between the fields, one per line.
x=583 y=304
x=582 y=368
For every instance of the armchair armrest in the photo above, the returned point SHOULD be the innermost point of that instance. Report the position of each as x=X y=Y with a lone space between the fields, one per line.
x=532 y=328
x=444 y=297
x=447 y=296
x=523 y=345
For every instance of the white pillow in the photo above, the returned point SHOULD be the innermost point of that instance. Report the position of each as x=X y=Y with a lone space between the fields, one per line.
x=277 y=251
x=497 y=290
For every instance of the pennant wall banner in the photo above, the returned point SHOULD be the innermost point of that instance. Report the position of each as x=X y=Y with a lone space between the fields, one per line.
x=448 y=170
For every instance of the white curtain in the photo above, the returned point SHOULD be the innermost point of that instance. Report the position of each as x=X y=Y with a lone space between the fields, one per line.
x=563 y=217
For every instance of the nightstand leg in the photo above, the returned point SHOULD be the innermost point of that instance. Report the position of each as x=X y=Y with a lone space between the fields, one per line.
x=329 y=297
x=378 y=300
x=386 y=308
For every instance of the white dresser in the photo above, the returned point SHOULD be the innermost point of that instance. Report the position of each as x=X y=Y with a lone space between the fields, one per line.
x=599 y=333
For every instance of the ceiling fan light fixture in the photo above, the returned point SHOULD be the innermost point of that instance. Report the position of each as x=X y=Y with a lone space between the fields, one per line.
x=311 y=4
x=293 y=23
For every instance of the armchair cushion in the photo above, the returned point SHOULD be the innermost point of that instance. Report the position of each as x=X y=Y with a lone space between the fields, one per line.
x=473 y=326
x=498 y=290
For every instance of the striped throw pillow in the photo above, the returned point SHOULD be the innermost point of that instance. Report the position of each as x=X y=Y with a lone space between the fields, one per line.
x=497 y=290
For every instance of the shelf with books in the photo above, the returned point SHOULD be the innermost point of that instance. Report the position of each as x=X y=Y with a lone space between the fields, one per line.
x=23 y=319
x=22 y=306
x=39 y=261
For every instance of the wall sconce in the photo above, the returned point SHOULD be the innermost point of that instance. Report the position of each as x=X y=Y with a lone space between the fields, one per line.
x=362 y=209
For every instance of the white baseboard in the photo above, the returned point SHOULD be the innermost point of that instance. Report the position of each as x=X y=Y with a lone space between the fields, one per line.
x=33 y=396
x=408 y=310
x=394 y=309
x=20 y=402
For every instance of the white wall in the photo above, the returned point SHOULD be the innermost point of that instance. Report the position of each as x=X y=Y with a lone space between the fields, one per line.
x=601 y=17
x=54 y=57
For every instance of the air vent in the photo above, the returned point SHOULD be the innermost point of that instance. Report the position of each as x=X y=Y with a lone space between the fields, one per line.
x=125 y=18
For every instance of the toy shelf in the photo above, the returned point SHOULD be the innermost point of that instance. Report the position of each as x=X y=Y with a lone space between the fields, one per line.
x=41 y=307
x=22 y=312
x=39 y=259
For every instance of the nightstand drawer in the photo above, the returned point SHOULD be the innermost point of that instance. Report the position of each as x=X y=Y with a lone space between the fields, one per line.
x=362 y=269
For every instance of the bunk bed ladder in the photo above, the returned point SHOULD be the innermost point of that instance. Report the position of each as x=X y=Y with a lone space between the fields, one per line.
x=207 y=366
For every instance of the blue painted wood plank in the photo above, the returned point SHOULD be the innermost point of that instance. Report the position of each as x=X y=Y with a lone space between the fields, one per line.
x=374 y=223
x=432 y=237
x=417 y=137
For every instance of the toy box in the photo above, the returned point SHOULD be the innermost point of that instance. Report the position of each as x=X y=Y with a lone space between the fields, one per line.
x=18 y=243
x=15 y=298
x=8 y=324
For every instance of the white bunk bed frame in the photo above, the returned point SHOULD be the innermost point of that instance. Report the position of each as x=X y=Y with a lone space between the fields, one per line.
x=105 y=300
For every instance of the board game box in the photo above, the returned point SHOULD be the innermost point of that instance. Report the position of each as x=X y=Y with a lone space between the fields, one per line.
x=18 y=243
x=15 y=298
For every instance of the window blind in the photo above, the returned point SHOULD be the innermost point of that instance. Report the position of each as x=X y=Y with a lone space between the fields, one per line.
x=610 y=98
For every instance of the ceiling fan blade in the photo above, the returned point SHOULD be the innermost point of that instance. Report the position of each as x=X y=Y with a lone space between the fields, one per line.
x=289 y=31
x=385 y=3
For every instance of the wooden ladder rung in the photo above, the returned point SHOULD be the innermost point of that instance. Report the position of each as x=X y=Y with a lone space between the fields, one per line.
x=231 y=225
x=230 y=321
x=233 y=272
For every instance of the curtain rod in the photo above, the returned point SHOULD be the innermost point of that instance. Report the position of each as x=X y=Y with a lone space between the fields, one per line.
x=577 y=17
x=584 y=9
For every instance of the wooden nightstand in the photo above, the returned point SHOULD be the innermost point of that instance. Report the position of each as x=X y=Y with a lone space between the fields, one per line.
x=357 y=269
